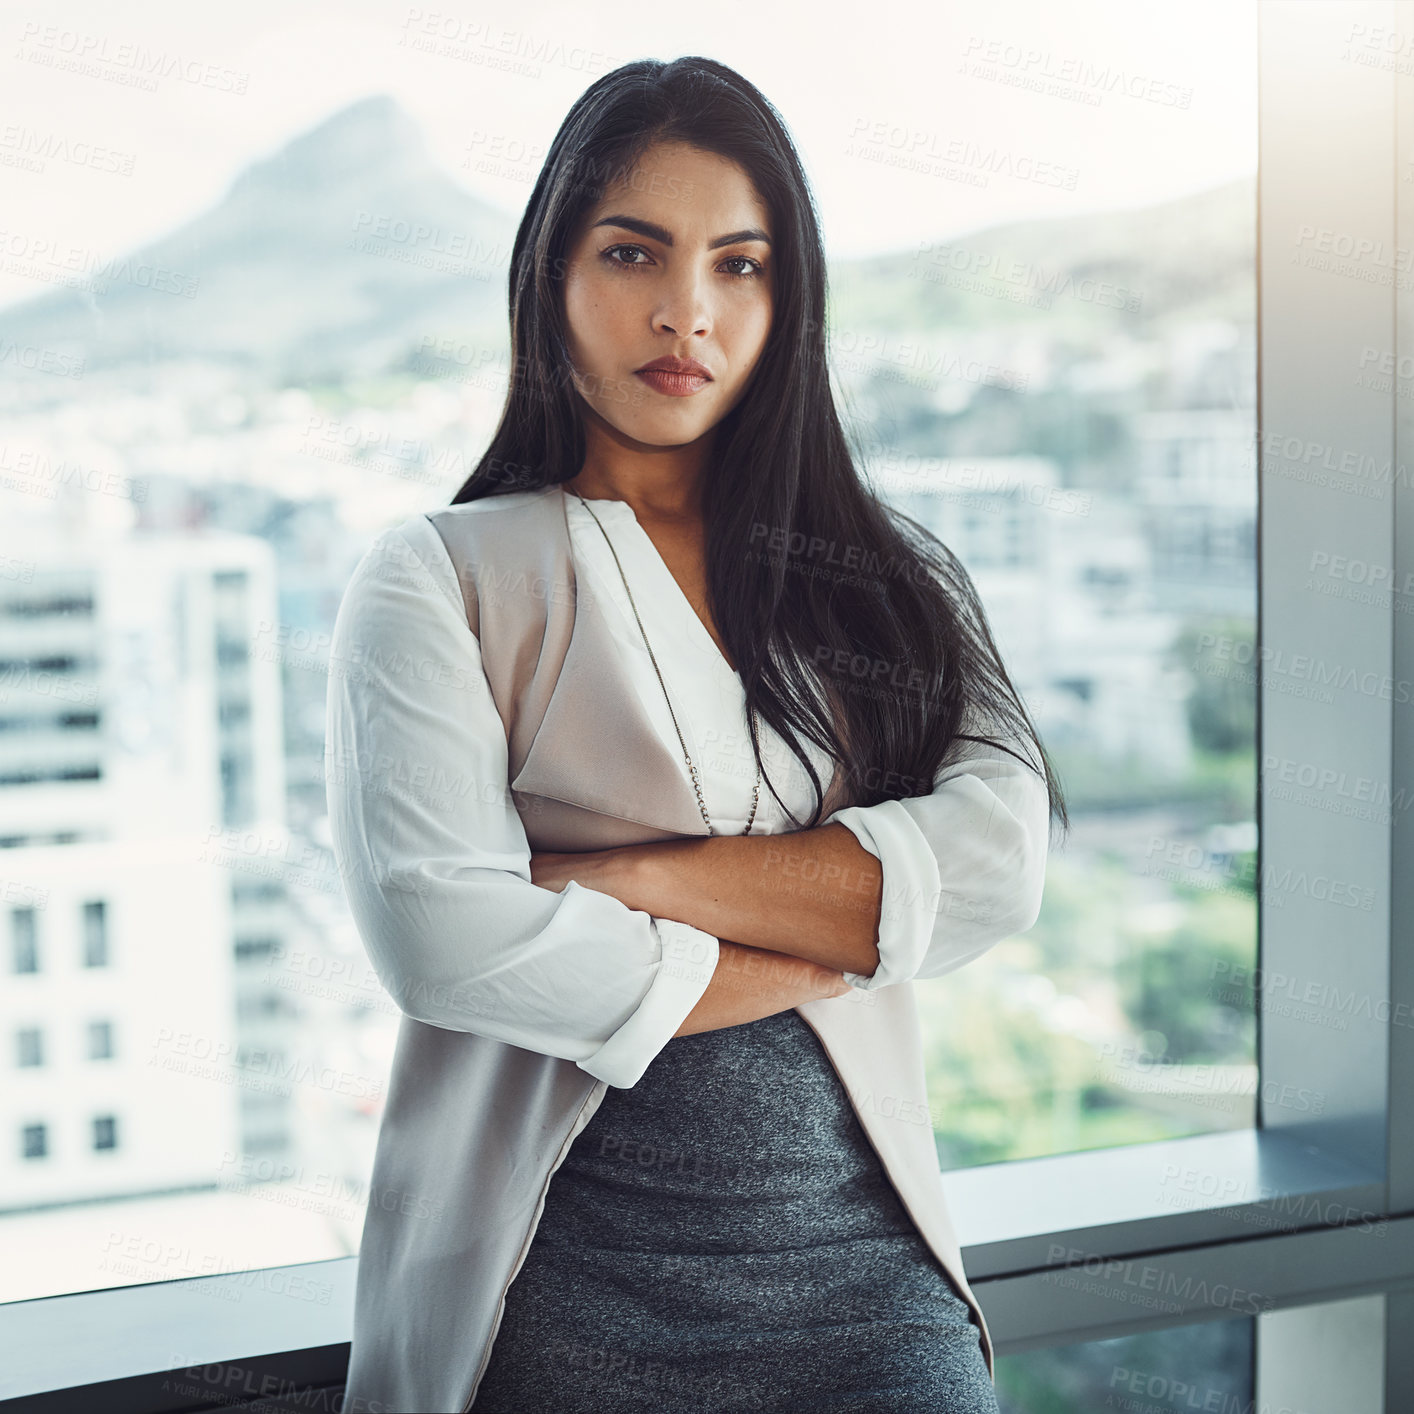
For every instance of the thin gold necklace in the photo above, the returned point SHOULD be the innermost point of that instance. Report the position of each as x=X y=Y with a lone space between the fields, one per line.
x=696 y=782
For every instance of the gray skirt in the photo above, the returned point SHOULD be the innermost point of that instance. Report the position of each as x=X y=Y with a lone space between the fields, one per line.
x=722 y=1237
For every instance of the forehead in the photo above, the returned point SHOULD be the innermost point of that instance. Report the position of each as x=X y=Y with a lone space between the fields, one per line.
x=690 y=192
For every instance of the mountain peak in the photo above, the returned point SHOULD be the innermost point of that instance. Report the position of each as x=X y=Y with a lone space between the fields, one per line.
x=372 y=135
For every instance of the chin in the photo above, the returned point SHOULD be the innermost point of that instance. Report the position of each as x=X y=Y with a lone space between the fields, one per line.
x=662 y=431
x=668 y=437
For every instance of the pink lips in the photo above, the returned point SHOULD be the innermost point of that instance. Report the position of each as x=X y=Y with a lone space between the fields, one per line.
x=675 y=385
x=675 y=375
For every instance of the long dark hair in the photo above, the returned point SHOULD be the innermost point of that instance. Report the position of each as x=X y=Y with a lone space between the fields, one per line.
x=853 y=625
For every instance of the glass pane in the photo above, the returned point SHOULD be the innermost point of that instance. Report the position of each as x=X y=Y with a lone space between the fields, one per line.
x=1205 y=1365
x=243 y=335
x=1067 y=399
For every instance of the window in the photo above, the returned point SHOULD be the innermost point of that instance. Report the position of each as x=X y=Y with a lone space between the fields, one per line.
x=95 y=934
x=1208 y=1365
x=29 y=1046
x=24 y=940
x=100 y=1040
x=1110 y=531
x=1188 y=1076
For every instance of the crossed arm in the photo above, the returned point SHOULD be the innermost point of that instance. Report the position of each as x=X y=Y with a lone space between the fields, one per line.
x=442 y=883
x=814 y=893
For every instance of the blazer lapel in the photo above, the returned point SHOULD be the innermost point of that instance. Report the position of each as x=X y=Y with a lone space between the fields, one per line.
x=595 y=747
x=556 y=674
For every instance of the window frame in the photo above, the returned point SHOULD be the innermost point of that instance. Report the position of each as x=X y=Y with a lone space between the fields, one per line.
x=1065 y=1248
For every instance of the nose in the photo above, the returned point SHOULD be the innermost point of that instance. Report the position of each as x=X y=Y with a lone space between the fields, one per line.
x=683 y=308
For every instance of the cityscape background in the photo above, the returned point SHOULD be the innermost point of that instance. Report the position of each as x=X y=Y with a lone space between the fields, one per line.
x=202 y=434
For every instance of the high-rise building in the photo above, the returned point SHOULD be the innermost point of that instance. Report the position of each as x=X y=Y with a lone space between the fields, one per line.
x=141 y=801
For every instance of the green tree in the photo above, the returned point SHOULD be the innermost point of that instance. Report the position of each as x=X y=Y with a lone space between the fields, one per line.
x=1221 y=657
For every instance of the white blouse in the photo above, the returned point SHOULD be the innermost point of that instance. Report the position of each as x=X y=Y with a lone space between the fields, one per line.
x=578 y=974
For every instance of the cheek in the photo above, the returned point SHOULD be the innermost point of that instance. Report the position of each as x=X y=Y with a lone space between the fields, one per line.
x=761 y=324
x=579 y=312
x=597 y=314
x=749 y=330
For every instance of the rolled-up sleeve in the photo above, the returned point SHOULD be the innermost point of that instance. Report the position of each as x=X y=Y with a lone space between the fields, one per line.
x=963 y=867
x=434 y=856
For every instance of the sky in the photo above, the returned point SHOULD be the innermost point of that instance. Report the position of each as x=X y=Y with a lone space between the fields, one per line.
x=915 y=122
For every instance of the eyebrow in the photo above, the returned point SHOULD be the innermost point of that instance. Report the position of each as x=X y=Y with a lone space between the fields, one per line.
x=655 y=232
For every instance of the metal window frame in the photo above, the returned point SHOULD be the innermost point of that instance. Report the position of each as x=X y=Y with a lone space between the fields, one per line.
x=1307 y=1208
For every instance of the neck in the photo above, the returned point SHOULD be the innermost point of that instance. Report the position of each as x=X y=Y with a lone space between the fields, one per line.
x=661 y=484
x=652 y=498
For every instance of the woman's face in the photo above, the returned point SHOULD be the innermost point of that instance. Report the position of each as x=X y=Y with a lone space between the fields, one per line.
x=674 y=261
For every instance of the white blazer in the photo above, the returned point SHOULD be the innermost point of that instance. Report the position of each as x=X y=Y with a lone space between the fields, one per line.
x=520 y=1005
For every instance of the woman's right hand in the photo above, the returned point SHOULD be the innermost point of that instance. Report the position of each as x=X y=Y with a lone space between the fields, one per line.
x=830 y=981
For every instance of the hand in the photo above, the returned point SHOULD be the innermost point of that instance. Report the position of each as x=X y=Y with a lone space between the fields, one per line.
x=832 y=983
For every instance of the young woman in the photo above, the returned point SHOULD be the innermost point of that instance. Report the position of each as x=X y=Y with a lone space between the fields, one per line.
x=674 y=1122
